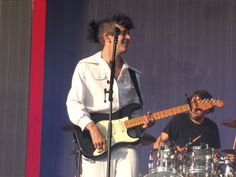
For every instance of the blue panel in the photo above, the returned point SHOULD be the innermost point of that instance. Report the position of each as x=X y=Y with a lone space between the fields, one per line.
x=63 y=45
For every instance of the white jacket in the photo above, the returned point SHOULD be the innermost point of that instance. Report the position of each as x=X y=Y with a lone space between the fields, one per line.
x=87 y=90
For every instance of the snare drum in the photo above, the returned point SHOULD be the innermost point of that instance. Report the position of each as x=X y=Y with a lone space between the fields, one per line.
x=165 y=163
x=199 y=162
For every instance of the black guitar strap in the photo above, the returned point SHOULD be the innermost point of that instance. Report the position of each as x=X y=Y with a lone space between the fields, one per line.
x=135 y=82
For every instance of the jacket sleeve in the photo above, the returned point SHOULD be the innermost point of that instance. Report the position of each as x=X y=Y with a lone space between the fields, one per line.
x=77 y=112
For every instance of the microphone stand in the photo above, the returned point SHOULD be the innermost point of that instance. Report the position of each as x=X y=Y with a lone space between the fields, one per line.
x=189 y=102
x=112 y=77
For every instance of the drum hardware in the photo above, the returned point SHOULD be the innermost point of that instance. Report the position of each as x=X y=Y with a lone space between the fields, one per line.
x=197 y=161
x=227 y=161
x=231 y=151
x=229 y=172
x=77 y=152
x=225 y=167
x=151 y=162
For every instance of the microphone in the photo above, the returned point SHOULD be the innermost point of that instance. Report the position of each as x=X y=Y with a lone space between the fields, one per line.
x=189 y=102
x=117 y=31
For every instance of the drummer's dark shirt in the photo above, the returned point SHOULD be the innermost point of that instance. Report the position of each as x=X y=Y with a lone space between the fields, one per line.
x=182 y=130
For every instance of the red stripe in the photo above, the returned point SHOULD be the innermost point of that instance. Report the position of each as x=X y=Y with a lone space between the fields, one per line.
x=36 y=88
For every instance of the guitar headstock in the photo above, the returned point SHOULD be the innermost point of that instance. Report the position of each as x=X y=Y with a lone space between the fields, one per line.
x=208 y=104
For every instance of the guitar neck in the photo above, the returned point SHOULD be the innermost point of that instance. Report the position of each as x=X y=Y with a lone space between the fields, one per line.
x=156 y=115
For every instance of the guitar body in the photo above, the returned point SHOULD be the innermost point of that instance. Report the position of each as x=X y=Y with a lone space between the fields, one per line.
x=120 y=135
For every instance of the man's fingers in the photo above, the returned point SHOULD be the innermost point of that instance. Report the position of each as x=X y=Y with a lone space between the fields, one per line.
x=100 y=145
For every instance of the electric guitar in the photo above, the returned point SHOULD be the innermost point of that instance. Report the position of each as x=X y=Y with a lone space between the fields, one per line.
x=121 y=124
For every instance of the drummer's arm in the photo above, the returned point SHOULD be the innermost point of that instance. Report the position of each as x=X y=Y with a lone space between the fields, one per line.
x=161 y=140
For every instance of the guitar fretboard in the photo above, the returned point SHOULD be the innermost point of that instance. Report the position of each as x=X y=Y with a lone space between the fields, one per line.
x=157 y=115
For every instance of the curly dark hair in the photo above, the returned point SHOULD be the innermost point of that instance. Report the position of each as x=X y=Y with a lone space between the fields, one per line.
x=96 y=29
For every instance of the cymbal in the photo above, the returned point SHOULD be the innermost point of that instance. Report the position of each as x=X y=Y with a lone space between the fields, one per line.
x=69 y=127
x=230 y=123
x=229 y=151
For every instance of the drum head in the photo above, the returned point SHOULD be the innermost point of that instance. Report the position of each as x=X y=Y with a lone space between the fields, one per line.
x=162 y=174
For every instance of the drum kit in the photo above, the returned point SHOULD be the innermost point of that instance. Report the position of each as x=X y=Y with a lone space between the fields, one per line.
x=195 y=161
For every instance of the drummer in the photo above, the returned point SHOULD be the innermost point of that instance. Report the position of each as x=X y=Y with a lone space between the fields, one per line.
x=192 y=128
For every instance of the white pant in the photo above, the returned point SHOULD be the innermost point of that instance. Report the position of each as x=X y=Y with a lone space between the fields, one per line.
x=124 y=163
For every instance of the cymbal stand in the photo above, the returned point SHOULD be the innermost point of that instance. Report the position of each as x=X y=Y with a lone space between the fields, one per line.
x=78 y=154
x=229 y=170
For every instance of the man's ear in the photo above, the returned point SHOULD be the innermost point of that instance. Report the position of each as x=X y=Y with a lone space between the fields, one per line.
x=107 y=37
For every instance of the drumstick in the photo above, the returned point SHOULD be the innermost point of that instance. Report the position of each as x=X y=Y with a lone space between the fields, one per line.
x=234 y=146
x=195 y=139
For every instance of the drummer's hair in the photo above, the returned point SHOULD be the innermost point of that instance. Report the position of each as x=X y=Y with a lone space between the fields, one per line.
x=203 y=94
